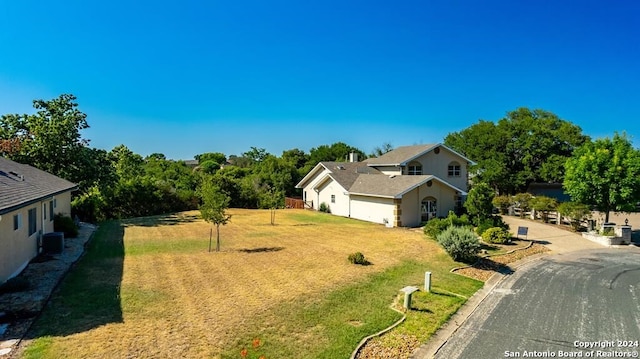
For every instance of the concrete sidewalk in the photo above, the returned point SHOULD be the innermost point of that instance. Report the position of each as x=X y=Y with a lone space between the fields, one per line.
x=557 y=239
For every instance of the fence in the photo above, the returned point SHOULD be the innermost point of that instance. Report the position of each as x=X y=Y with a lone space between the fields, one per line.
x=296 y=203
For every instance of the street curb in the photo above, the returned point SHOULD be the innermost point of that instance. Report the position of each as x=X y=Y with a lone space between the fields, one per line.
x=429 y=349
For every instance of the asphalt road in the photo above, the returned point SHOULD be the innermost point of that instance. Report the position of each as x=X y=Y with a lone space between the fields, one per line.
x=553 y=306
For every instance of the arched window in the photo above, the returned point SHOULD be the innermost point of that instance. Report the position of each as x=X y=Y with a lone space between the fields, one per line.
x=414 y=168
x=454 y=169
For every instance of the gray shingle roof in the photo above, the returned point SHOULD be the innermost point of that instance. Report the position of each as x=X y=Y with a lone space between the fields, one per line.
x=346 y=173
x=22 y=184
x=401 y=155
x=386 y=186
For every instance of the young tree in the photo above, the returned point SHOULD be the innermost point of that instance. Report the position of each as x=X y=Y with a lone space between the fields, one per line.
x=606 y=174
x=479 y=203
x=214 y=209
x=50 y=139
x=273 y=199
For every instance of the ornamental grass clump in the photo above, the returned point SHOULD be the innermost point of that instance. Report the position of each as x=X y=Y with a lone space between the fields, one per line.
x=460 y=242
x=357 y=258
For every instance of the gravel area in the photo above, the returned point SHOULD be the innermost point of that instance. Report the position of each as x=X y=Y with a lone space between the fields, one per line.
x=18 y=310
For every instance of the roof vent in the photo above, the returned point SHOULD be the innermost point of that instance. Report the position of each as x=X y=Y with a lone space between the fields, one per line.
x=340 y=167
x=392 y=176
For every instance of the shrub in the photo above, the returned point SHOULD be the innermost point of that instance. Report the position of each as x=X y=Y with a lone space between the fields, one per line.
x=496 y=235
x=438 y=225
x=479 y=203
x=357 y=258
x=493 y=221
x=576 y=212
x=608 y=232
x=460 y=242
x=65 y=224
x=15 y=284
x=324 y=208
x=544 y=205
x=502 y=203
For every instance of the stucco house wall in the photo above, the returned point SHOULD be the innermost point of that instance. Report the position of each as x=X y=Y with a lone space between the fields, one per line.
x=412 y=201
x=438 y=165
x=18 y=247
x=339 y=204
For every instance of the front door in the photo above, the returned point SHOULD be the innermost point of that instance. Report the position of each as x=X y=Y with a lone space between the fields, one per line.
x=428 y=209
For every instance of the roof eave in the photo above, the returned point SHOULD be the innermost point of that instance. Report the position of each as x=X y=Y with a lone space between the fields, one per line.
x=35 y=200
x=310 y=175
x=372 y=195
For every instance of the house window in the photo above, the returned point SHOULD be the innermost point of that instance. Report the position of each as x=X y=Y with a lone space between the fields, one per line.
x=44 y=210
x=17 y=221
x=55 y=203
x=32 y=220
x=414 y=169
x=454 y=169
x=50 y=210
x=333 y=198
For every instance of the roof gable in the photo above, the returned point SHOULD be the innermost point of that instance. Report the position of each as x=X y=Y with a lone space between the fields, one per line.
x=345 y=173
x=405 y=154
x=22 y=184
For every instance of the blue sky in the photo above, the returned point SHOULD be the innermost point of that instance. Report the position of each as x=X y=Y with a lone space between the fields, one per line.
x=187 y=77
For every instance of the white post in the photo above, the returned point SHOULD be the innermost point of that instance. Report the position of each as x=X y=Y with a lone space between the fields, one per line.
x=427 y=282
x=407 y=300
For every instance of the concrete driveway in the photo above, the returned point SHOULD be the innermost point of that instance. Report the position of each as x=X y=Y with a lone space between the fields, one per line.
x=548 y=302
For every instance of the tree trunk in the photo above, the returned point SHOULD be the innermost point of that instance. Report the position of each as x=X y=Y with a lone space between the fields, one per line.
x=606 y=216
x=210 y=237
x=217 y=238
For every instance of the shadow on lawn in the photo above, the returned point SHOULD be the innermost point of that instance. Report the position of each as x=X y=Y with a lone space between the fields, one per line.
x=261 y=249
x=89 y=296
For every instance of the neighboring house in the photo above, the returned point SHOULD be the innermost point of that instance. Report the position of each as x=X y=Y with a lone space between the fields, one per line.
x=402 y=188
x=553 y=190
x=29 y=199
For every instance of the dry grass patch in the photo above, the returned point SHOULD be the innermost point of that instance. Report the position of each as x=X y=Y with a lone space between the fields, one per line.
x=276 y=282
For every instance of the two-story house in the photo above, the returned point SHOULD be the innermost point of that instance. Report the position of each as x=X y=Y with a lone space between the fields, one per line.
x=402 y=188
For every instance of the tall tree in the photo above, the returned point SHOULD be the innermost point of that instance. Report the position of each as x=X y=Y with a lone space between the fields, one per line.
x=605 y=173
x=525 y=146
x=50 y=139
x=214 y=209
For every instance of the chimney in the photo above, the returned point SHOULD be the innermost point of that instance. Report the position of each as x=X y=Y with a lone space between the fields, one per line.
x=353 y=157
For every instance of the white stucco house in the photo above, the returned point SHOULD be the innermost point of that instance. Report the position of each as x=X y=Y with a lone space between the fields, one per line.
x=29 y=199
x=402 y=188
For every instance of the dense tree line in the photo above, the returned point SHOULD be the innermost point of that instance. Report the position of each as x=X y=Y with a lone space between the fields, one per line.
x=120 y=183
x=523 y=147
